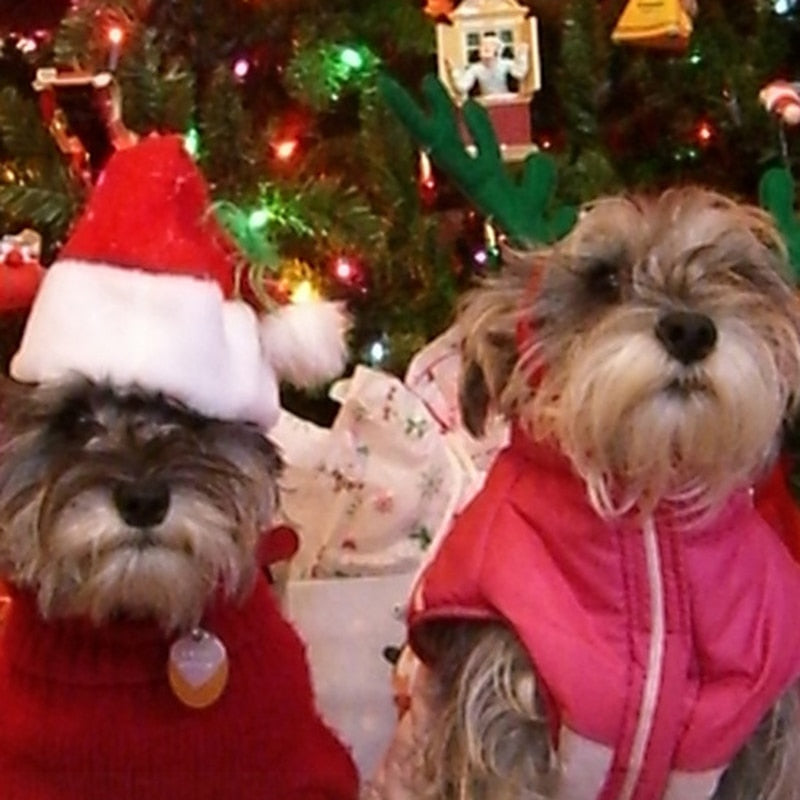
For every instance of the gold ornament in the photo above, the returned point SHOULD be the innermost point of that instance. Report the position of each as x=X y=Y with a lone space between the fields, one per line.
x=657 y=24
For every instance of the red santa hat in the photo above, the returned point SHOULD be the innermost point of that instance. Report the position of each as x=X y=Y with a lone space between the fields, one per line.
x=141 y=295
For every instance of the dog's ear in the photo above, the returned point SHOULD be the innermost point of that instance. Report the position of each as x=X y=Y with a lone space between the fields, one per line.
x=488 y=319
x=483 y=378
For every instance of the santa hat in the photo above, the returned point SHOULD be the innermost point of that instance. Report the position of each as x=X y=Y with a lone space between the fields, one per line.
x=141 y=295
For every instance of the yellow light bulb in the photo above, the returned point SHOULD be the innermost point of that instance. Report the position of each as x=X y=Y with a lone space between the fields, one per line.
x=304 y=292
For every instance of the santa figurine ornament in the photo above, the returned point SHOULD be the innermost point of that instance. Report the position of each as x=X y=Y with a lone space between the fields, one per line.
x=782 y=99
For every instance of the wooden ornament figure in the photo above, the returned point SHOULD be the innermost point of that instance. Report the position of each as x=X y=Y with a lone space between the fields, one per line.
x=489 y=50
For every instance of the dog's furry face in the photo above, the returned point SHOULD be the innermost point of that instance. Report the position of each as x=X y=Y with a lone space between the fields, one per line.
x=127 y=505
x=658 y=346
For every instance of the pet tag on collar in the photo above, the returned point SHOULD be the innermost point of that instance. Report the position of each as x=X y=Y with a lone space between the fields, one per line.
x=198 y=668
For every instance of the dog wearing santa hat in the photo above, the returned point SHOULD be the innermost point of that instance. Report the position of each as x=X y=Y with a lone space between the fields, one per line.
x=144 y=655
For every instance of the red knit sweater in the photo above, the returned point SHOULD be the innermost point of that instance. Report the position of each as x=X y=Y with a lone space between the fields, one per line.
x=87 y=714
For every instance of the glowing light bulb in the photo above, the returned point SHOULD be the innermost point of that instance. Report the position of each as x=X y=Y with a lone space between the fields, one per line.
x=116 y=35
x=241 y=67
x=258 y=218
x=304 y=292
x=286 y=148
x=377 y=352
x=191 y=142
x=350 y=57
x=344 y=269
x=26 y=44
x=705 y=132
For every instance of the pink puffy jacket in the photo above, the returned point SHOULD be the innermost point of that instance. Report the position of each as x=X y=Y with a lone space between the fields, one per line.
x=658 y=648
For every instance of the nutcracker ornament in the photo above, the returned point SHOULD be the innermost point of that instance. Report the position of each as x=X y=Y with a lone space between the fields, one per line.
x=489 y=50
x=51 y=80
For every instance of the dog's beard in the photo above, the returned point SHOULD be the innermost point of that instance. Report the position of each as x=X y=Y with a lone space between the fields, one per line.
x=63 y=537
x=641 y=427
x=97 y=566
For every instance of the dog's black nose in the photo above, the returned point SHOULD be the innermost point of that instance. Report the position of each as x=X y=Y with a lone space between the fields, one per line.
x=142 y=504
x=686 y=335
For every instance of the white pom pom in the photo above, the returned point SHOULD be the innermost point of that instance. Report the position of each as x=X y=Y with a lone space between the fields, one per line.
x=306 y=342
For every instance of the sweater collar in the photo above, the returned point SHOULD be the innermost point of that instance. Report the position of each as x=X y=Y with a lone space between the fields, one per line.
x=75 y=651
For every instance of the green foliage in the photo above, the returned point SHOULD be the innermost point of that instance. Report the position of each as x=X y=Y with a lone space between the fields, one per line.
x=22 y=134
x=256 y=245
x=37 y=206
x=159 y=94
x=35 y=189
x=320 y=72
x=81 y=40
x=584 y=56
x=227 y=151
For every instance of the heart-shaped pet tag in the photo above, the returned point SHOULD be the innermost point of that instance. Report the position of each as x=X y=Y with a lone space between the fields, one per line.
x=198 y=668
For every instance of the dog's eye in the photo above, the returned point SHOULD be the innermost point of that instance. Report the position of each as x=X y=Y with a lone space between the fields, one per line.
x=76 y=421
x=602 y=281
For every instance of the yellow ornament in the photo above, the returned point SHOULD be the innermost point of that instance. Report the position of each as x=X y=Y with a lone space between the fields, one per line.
x=658 y=24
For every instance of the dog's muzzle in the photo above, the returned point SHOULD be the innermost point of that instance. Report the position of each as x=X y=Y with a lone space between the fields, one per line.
x=686 y=335
x=142 y=504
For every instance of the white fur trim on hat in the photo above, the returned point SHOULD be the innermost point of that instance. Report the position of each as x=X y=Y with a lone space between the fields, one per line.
x=306 y=342
x=166 y=333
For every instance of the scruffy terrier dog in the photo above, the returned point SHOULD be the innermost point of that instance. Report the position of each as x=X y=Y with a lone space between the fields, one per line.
x=126 y=521
x=129 y=506
x=611 y=617
x=144 y=654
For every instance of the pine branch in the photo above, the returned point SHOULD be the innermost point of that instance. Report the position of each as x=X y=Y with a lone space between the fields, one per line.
x=22 y=133
x=583 y=65
x=340 y=216
x=228 y=150
x=154 y=98
x=81 y=39
x=48 y=210
x=140 y=84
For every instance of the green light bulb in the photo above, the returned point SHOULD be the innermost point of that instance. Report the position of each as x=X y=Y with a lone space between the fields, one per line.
x=191 y=142
x=258 y=219
x=350 y=57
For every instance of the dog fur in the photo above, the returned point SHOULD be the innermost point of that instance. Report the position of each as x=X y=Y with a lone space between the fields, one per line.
x=72 y=453
x=128 y=520
x=581 y=345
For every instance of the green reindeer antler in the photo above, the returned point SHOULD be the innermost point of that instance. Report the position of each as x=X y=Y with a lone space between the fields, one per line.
x=776 y=195
x=520 y=208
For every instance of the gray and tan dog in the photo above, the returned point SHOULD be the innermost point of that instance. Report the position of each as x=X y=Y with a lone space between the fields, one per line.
x=144 y=654
x=611 y=617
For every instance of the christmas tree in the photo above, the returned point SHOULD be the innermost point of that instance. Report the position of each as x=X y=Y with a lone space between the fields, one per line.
x=316 y=177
